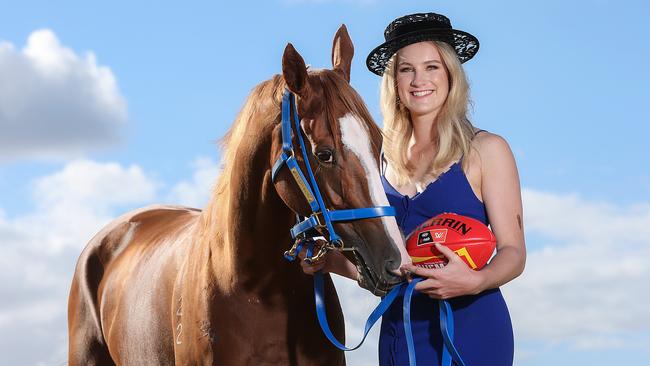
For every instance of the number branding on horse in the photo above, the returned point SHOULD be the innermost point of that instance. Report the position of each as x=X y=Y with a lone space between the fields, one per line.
x=179 y=327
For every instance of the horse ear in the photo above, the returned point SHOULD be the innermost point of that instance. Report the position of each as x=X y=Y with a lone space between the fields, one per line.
x=294 y=71
x=342 y=52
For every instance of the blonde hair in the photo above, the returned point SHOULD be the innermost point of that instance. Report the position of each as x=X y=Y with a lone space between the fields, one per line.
x=454 y=130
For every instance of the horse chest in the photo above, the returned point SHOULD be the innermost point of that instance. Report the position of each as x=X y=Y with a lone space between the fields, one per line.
x=238 y=330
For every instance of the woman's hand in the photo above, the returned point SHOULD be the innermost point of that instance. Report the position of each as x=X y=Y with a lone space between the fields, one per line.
x=454 y=279
x=332 y=262
x=322 y=265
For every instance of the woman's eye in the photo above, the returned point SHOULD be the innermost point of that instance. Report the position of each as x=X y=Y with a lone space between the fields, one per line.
x=325 y=156
x=405 y=69
x=432 y=67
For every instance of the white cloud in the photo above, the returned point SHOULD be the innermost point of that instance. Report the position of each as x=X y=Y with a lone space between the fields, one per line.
x=55 y=103
x=196 y=192
x=86 y=183
x=77 y=201
x=585 y=283
x=38 y=251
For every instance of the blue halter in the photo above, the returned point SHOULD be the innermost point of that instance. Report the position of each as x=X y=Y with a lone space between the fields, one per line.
x=321 y=218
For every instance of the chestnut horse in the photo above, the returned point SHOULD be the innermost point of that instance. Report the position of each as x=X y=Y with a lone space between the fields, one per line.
x=168 y=285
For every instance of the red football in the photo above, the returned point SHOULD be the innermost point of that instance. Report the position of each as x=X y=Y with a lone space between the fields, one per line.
x=472 y=240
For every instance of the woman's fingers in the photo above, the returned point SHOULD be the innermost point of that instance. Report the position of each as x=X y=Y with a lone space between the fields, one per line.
x=411 y=270
x=314 y=266
x=448 y=253
x=432 y=285
x=428 y=285
x=432 y=288
x=311 y=268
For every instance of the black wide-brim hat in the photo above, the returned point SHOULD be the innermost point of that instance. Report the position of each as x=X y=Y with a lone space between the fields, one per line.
x=420 y=27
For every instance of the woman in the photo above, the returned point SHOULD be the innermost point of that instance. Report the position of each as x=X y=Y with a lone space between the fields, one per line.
x=435 y=161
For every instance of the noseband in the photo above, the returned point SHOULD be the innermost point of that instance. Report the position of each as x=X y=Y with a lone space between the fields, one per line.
x=321 y=218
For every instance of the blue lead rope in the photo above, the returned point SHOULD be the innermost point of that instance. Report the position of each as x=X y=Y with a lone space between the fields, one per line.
x=319 y=295
x=406 y=308
x=449 y=351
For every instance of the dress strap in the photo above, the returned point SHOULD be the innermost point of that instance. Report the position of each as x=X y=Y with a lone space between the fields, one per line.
x=460 y=161
x=479 y=131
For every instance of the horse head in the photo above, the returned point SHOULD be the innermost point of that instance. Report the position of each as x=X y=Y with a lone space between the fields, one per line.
x=343 y=145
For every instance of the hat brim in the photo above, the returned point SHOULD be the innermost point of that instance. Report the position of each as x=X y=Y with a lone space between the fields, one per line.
x=465 y=45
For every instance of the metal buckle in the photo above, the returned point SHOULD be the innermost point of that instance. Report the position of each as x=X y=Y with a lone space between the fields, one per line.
x=320 y=219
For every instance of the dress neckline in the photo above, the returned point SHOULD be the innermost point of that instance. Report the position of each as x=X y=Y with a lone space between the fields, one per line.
x=426 y=188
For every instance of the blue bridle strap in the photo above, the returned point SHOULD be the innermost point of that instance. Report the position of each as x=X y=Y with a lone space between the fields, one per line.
x=333 y=237
x=298 y=176
x=343 y=215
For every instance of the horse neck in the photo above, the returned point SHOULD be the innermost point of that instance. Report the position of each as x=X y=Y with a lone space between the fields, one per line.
x=246 y=224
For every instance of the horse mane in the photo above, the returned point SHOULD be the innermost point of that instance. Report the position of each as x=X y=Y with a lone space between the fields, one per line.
x=216 y=227
x=260 y=112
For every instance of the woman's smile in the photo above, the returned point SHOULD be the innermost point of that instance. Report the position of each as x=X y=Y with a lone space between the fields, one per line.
x=421 y=93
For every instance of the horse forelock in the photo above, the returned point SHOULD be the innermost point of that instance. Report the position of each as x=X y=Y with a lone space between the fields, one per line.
x=341 y=99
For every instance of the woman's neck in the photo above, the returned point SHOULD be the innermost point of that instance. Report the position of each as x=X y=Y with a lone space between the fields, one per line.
x=424 y=131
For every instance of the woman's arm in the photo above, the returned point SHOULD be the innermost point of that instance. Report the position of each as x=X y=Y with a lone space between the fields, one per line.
x=502 y=198
x=501 y=194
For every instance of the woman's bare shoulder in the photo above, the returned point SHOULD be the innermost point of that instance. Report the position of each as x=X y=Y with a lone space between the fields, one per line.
x=490 y=145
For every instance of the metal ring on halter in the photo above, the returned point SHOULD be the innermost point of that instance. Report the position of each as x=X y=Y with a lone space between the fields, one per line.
x=291 y=254
x=338 y=244
x=322 y=250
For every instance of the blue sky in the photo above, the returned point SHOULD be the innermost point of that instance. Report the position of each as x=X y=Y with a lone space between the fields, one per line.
x=137 y=122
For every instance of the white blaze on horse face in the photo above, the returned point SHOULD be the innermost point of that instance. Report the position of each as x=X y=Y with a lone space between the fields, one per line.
x=356 y=139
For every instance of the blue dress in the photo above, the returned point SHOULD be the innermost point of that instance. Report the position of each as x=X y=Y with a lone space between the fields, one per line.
x=483 y=331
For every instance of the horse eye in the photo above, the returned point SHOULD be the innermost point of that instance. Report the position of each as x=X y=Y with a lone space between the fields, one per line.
x=325 y=156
